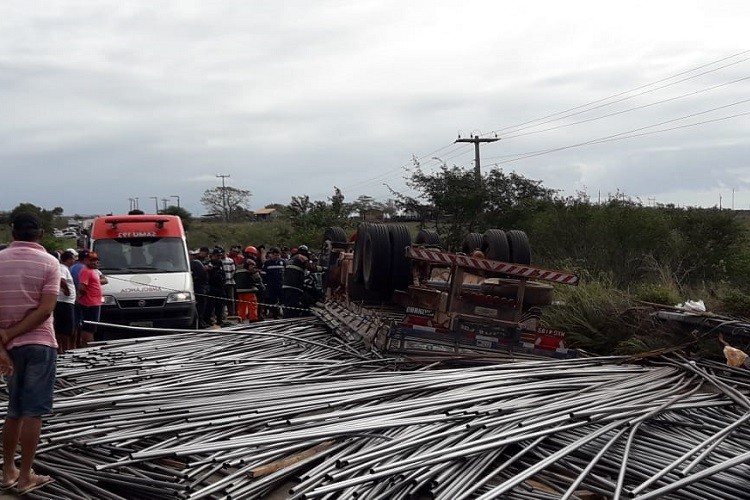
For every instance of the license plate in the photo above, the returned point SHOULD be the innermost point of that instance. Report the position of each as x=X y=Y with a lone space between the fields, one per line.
x=142 y=323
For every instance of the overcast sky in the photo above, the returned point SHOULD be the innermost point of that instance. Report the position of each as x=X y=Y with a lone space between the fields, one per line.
x=103 y=101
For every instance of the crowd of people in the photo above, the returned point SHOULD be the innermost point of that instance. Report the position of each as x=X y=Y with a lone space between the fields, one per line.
x=253 y=283
x=49 y=299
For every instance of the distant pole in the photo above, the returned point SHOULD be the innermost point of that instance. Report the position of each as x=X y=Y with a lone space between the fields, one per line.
x=164 y=204
x=224 y=195
x=136 y=203
x=475 y=139
x=178 y=199
x=156 y=202
x=132 y=203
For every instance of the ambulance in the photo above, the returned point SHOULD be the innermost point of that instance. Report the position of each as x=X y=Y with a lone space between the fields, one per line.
x=145 y=258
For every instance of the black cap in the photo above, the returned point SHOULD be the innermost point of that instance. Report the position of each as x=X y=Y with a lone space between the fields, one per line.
x=25 y=221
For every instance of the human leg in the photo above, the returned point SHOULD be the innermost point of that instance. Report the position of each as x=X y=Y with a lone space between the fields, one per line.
x=252 y=307
x=31 y=389
x=243 y=306
x=89 y=314
x=11 y=432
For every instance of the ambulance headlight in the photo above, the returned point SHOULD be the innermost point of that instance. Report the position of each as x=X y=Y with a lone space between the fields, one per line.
x=179 y=297
x=108 y=300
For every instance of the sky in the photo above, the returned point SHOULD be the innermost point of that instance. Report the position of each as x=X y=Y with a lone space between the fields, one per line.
x=106 y=102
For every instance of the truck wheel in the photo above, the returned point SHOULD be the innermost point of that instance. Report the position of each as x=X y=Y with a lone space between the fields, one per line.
x=428 y=237
x=335 y=234
x=376 y=259
x=518 y=245
x=495 y=245
x=400 y=265
x=472 y=241
x=359 y=246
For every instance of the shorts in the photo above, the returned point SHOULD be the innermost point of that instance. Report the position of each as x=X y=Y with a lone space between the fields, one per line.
x=88 y=314
x=65 y=323
x=32 y=384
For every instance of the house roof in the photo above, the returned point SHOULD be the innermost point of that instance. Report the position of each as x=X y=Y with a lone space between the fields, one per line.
x=265 y=211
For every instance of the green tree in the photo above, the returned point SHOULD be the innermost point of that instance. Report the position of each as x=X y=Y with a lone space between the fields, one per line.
x=183 y=214
x=227 y=202
x=451 y=198
x=310 y=218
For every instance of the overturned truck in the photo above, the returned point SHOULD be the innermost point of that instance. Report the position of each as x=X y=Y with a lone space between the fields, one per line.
x=417 y=299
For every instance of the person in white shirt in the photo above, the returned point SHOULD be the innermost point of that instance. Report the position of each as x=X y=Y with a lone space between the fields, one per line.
x=65 y=327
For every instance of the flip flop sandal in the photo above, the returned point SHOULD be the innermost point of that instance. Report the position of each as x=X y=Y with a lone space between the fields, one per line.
x=7 y=486
x=35 y=486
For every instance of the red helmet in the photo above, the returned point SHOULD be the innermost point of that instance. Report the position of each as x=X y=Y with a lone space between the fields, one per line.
x=251 y=249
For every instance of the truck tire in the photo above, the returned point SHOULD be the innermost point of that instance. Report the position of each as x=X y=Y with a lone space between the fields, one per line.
x=518 y=246
x=376 y=258
x=335 y=234
x=428 y=237
x=472 y=241
x=400 y=265
x=495 y=245
x=359 y=252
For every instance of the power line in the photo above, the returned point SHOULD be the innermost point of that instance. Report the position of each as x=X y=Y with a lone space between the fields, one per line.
x=670 y=99
x=624 y=135
x=598 y=101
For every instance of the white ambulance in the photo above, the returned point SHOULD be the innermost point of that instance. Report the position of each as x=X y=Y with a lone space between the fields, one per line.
x=145 y=259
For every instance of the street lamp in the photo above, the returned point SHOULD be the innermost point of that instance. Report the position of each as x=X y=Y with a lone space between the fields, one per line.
x=156 y=202
x=178 y=199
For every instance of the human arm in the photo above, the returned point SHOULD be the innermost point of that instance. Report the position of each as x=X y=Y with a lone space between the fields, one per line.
x=64 y=288
x=33 y=319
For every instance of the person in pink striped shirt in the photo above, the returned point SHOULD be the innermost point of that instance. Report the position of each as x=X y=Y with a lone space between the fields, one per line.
x=29 y=284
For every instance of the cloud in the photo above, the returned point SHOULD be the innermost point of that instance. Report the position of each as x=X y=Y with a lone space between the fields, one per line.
x=109 y=100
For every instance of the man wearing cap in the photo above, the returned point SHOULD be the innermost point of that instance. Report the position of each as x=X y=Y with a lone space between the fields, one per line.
x=90 y=282
x=29 y=284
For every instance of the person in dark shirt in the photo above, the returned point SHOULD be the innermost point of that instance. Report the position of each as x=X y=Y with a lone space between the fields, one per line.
x=200 y=287
x=249 y=290
x=273 y=277
x=294 y=282
x=216 y=279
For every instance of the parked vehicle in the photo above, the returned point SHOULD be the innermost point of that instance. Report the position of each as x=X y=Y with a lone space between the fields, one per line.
x=419 y=299
x=145 y=258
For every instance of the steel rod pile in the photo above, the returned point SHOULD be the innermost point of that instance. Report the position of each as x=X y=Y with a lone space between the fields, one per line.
x=286 y=409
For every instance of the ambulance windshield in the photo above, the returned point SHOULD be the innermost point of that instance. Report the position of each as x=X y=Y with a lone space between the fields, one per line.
x=142 y=255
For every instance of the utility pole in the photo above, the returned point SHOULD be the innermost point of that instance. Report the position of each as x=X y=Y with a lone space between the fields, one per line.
x=224 y=196
x=475 y=139
x=178 y=199
x=156 y=202
x=164 y=204
x=136 y=203
x=132 y=204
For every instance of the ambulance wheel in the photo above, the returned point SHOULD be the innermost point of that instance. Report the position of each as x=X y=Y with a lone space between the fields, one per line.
x=400 y=265
x=376 y=259
x=495 y=245
x=472 y=242
x=428 y=237
x=518 y=246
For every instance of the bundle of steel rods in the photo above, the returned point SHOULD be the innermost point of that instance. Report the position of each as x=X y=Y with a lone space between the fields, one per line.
x=285 y=409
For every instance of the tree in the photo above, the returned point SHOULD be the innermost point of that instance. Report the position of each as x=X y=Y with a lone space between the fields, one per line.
x=228 y=202
x=45 y=216
x=451 y=198
x=309 y=219
x=183 y=214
